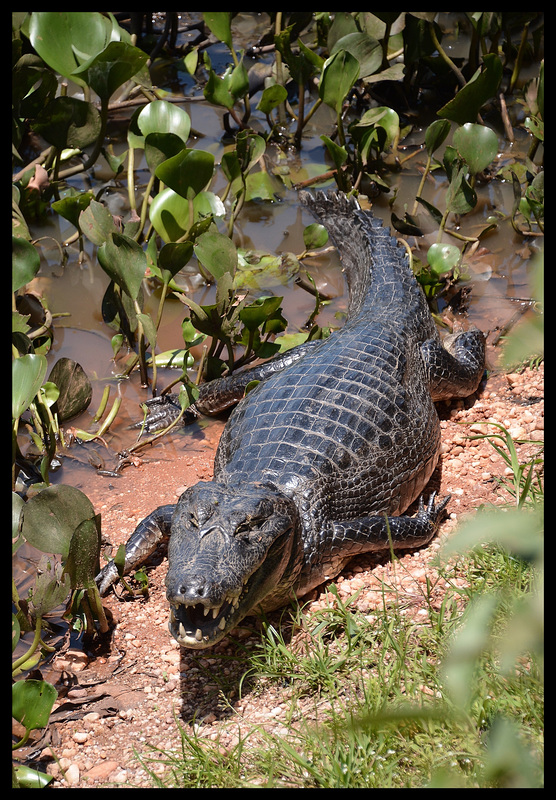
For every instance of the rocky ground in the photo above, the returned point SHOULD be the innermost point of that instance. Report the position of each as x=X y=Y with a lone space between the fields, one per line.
x=130 y=696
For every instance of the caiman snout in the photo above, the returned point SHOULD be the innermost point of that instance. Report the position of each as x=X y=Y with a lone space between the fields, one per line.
x=194 y=590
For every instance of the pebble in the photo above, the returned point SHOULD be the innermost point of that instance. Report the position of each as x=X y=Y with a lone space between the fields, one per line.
x=102 y=770
x=72 y=775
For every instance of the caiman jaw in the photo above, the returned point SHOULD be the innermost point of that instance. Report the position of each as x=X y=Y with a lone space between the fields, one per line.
x=196 y=625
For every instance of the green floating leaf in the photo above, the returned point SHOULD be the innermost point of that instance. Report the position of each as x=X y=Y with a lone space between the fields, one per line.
x=219 y=23
x=163 y=117
x=188 y=172
x=481 y=87
x=96 y=223
x=71 y=206
x=83 y=558
x=161 y=146
x=75 y=390
x=32 y=703
x=339 y=73
x=124 y=261
x=408 y=226
x=16 y=631
x=250 y=148
x=51 y=587
x=28 y=778
x=173 y=359
x=51 y=517
x=460 y=197
x=436 y=135
x=172 y=216
x=261 y=186
x=338 y=153
x=381 y=117
x=173 y=257
x=260 y=270
x=301 y=64
x=366 y=49
x=25 y=262
x=443 y=257
x=68 y=122
x=28 y=373
x=227 y=89
x=477 y=145
x=111 y=68
x=217 y=253
x=271 y=97
x=257 y=313
x=58 y=36
x=315 y=235
x=18 y=505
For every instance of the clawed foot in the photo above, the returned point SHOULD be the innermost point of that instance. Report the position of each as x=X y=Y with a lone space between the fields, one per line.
x=432 y=513
x=162 y=411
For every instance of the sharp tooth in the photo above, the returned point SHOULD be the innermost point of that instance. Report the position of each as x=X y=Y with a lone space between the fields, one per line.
x=206 y=610
x=199 y=635
x=222 y=623
x=182 y=631
x=216 y=611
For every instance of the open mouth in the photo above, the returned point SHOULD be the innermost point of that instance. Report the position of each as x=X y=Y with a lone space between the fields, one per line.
x=200 y=625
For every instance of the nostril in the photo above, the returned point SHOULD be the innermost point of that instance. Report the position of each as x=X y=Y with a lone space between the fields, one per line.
x=192 y=590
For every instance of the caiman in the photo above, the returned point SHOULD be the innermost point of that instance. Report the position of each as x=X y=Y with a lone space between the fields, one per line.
x=318 y=462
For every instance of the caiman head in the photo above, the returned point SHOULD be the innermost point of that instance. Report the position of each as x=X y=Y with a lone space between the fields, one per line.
x=230 y=551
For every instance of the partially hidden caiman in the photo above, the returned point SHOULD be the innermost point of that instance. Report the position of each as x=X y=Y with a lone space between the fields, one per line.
x=319 y=461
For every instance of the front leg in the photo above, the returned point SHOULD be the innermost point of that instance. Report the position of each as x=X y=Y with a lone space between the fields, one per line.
x=379 y=533
x=147 y=536
x=219 y=394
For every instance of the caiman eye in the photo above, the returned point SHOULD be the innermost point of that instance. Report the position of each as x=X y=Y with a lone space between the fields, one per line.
x=200 y=516
x=243 y=531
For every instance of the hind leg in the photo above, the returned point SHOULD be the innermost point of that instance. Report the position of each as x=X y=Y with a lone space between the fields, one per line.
x=455 y=366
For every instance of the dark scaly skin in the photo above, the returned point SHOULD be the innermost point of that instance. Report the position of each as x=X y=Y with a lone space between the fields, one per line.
x=318 y=463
